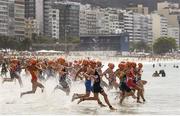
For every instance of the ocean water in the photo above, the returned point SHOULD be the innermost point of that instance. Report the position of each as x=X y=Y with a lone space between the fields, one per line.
x=162 y=97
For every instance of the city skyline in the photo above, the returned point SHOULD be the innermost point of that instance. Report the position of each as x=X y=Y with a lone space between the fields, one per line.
x=67 y=21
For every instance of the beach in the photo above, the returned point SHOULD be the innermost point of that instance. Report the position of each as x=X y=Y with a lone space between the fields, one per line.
x=162 y=95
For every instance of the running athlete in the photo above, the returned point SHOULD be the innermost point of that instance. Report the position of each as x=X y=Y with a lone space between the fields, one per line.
x=4 y=69
x=13 y=73
x=33 y=69
x=111 y=77
x=63 y=84
x=87 y=71
x=97 y=89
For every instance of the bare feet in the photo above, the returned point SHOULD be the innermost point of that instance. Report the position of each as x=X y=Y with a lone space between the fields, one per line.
x=139 y=101
x=80 y=101
x=21 y=95
x=134 y=97
x=3 y=80
x=75 y=96
x=101 y=104
x=112 y=108
x=42 y=90
x=144 y=100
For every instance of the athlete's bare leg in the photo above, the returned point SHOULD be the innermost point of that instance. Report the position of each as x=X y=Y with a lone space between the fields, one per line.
x=107 y=100
x=34 y=87
x=95 y=97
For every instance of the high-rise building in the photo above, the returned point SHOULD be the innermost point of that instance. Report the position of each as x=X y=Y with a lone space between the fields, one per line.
x=128 y=24
x=11 y=18
x=4 y=14
x=39 y=15
x=19 y=18
x=174 y=33
x=65 y=20
x=111 y=21
x=47 y=28
x=30 y=9
x=179 y=29
x=55 y=23
x=159 y=25
x=90 y=21
x=138 y=9
x=170 y=11
x=82 y=21
x=34 y=13
x=100 y=21
x=142 y=28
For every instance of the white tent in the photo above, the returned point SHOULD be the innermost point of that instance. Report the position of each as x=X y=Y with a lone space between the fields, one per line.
x=49 y=51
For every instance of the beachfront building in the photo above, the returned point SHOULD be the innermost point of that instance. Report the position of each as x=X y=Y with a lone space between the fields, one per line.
x=4 y=14
x=19 y=18
x=88 y=20
x=47 y=28
x=139 y=8
x=128 y=23
x=111 y=21
x=170 y=10
x=39 y=15
x=30 y=9
x=34 y=16
x=142 y=29
x=174 y=33
x=159 y=26
x=99 y=21
x=65 y=20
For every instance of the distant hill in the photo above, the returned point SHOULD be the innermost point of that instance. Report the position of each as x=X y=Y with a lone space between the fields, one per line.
x=152 y=4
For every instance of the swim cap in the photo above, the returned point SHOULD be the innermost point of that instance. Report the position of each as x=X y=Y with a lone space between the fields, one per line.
x=85 y=62
x=140 y=65
x=33 y=62
x=121 y=65
x=111 y=65
x=99 y=63
x=61 y=61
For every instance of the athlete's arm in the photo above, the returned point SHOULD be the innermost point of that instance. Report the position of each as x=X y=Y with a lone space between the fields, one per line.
x=79 y=71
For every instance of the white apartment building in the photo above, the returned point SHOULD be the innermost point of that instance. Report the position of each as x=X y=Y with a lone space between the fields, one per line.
x=100 y=21
x=138 y=9
x=174 y=33
x=141 y=28
x=114 y=23
x=159 y=26
x=164 y=26
x=128 y=23
x=64 y=20
x=39 y=15
x=55 y=23
x=106 y=21
x=82 y=23
x=19 y=17
x=88 y=20
x=47 y=27
x=103 y=24
x=4 y=17
x=150 y=32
